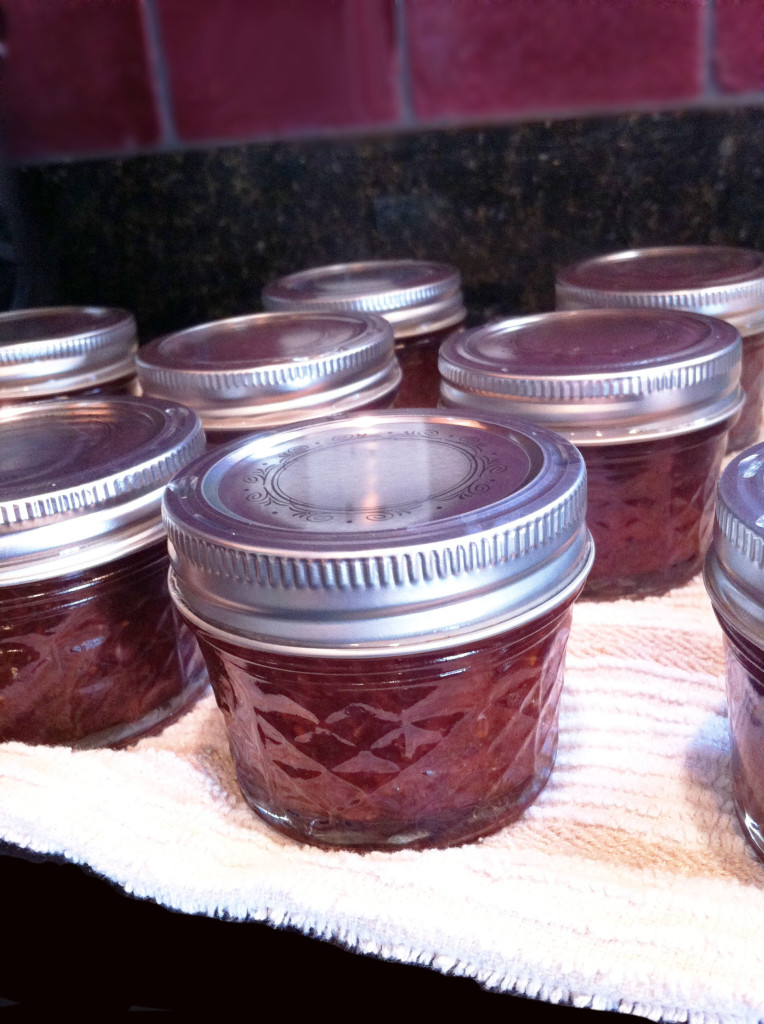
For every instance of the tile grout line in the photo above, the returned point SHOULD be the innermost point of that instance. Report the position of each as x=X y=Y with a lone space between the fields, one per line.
x=710 y=85
x=404 y=70
x=705 y=104
x=158 y=66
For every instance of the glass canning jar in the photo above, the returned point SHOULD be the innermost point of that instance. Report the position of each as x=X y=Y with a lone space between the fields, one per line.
x=647 y=396
x=422 y=300
x=66 y=351
x=92 y=651
x=385 y=627
x=718 y=280
x=734 y=578
x=254 y=372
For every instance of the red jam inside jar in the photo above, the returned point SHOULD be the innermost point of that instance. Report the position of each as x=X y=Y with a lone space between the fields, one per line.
x=384 y=682
x=371 y=752
x=252 y=373
x=745 y=702
x=648 y=398
x=420 y=387
x=734 y=580
x=92 y=650
x=421 y=299
x=97 y=657
x=67 y=352
x=719 y=280
x=651 y=511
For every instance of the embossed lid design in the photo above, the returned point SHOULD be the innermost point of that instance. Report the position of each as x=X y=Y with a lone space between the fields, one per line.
x=81 y=482
x=395 y=530
x=718 y=280
x=269 y=369
x=599 y=376
x=44 y=352
x=734 y=567
x=415 y=296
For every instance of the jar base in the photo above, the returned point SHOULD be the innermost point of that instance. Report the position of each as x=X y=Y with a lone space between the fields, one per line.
x=652 y=584
x=447 y=829
x=151 y=724
x=752 y=830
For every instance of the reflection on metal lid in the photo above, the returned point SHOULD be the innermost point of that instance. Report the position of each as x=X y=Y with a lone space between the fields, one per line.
x=48 y=351
x=734 y=570
x=415 y=296
x=380 y=529
x=268 y=369
x=599 y=376
x=81 y=481
x=717 y=280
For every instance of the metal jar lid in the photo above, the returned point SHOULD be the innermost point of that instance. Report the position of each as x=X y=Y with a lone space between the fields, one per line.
x=734 y=567
x=47 y=351
x=416 y=296
x=718 y=280
x=81 y=481
x=599 y=376
x=269 y=369
x=383 y=533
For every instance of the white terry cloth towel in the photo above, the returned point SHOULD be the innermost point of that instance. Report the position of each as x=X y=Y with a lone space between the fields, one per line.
x=627 y=886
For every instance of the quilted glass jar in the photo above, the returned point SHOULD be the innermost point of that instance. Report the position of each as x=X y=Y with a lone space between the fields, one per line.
x=718 y=280
x=66 y=351
x=734 y=577
x=648 y=397
x=254 y=372
x=92 y=651
x=422 y=300
x=383 y=602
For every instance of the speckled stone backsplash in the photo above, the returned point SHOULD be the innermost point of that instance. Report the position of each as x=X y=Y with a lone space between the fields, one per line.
x=180 y=238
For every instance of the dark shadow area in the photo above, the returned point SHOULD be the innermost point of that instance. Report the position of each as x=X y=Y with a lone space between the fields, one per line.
x=708 y=770
x=75 y=942
x=180 y=238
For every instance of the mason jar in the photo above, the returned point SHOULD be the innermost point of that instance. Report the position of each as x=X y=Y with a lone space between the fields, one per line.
x=92 y=652
x=422 y=300
x=719 y=280
x=250 y=373
x=386 y=621
x=648 y=397
x=734 y=578
x=66 y=351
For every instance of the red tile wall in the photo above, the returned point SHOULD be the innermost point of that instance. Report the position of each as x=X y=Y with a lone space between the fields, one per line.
x=484 y=58
x=78 y=77
x=740 y=45
x=110 y=77
x=239 y=69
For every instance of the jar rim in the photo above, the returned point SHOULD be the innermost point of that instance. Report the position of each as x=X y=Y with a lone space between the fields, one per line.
x=719 y=280
x=415 y=296
x=734 y=566
x=81 y=480
x=255 y=367
x=378 y=529
x=599 y=376
x=46 y=350
x=429 y=643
